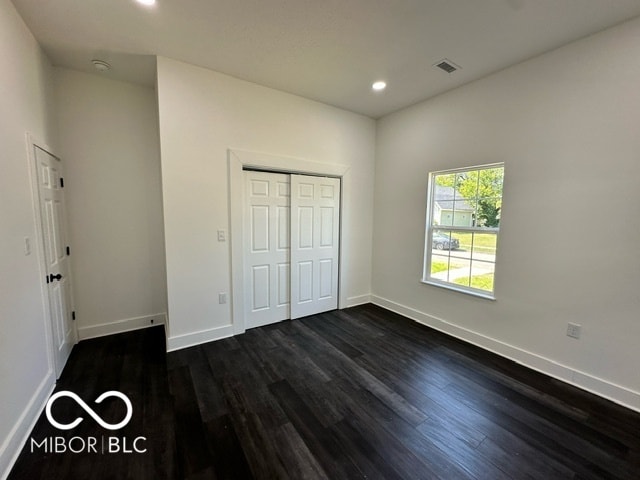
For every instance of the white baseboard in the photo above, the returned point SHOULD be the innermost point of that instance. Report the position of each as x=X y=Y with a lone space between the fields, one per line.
x=12 y=446
x=196 y=338
x=603 y=388
x=120 y=326
x=358 y=300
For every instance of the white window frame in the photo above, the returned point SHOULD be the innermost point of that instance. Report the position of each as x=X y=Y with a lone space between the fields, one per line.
x=429 y=229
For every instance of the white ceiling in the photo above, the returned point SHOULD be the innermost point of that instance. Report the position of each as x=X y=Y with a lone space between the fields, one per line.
x=326 y=50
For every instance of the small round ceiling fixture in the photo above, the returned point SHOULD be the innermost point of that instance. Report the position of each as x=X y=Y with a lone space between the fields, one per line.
x=379 y=86
x=100 y=65
x=147 y=3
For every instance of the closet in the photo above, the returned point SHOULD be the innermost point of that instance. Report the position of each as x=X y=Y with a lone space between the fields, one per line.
x=290 y=246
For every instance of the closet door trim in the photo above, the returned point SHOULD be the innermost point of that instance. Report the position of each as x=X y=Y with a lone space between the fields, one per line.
x=238 y=161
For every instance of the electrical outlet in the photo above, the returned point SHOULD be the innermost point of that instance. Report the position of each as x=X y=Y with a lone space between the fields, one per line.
x=573 y=330
x=222 y=235
x=222 y=298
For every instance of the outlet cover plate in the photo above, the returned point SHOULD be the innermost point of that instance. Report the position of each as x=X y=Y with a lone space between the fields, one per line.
x=573 y=330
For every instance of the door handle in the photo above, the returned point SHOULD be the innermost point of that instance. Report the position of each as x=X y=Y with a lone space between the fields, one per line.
x=53 y=277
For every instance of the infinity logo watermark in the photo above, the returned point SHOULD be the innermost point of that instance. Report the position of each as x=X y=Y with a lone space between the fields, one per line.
x=102 y=444
x=86 y=408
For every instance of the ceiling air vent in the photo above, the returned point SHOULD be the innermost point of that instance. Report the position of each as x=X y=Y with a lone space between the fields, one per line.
x=447 y=65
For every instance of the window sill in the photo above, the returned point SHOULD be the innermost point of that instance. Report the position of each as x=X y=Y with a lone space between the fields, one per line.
x=448 y=286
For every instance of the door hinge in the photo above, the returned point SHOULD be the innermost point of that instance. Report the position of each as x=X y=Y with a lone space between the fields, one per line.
x=73 y=315
x=68 y=251
x=61 y=182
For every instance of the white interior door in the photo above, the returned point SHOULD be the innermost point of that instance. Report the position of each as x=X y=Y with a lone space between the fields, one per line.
x=290 y=220
x=267 y=248
x=53 y=217
x=315 y=236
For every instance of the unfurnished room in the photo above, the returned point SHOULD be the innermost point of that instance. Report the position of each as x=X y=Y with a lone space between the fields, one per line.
x=295 y=239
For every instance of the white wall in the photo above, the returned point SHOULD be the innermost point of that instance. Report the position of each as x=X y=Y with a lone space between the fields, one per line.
x=202 y=115
x=26 y=375
x=566 y=126
x=108 y=134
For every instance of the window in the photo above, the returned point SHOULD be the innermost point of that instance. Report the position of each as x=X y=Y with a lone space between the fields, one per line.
x=463 y=223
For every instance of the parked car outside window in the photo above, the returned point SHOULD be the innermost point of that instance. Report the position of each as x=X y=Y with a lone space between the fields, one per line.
x=443 y=242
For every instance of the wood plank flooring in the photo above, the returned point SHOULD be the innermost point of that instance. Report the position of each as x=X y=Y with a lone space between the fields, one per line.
x=358 y=393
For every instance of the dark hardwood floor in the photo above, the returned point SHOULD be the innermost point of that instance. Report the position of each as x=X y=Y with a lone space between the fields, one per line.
x=358 y=393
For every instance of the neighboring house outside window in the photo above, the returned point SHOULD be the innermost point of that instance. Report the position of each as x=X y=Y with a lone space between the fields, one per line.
x=450 y=204
x=463 y=223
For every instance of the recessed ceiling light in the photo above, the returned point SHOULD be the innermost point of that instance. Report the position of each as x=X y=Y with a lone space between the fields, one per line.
x=379 y=86
x=148 y=3
x=101 y=65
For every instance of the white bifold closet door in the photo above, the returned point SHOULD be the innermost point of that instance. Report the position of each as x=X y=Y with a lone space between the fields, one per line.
x=315 y=237
x=291 y=246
